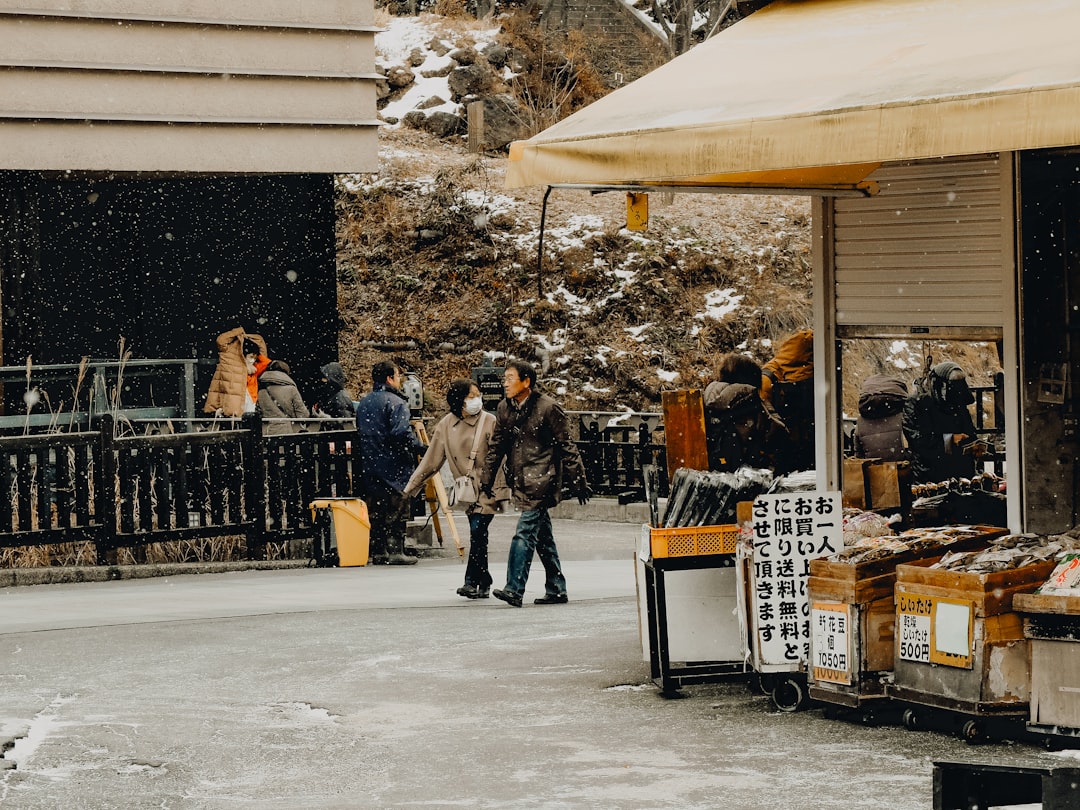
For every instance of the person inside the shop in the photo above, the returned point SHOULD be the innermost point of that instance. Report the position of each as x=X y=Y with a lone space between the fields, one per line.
x=740 y=431
x=938 y=427
x=879 y=430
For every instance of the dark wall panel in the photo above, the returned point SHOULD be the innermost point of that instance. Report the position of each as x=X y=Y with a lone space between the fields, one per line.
x=168 y=264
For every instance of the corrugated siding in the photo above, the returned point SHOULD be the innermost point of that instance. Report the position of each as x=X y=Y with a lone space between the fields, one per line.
x=98 y=84
x=925 y=251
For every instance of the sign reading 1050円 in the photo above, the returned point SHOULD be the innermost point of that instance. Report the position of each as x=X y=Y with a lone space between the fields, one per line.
x=830 y=642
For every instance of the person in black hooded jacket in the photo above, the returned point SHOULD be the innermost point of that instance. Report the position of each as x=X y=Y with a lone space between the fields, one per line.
x=940 y=434
x=334 y=399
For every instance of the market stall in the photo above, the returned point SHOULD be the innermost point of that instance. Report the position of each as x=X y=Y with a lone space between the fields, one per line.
x=961 y=654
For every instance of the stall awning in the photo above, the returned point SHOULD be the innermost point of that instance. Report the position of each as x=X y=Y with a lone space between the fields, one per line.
x=814 y=93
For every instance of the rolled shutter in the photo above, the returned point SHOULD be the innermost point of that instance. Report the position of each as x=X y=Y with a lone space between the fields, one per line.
x=927 y=251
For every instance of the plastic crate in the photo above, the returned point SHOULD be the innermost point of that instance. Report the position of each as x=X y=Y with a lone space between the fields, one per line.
x=689 y=541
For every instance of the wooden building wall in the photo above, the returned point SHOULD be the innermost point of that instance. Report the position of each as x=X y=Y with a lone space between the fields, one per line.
x=268 y=86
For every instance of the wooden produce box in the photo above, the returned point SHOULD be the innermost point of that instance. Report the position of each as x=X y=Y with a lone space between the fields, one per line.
x=1052 y=626
x=862 y=593
x=959 y=644
x=852 y=616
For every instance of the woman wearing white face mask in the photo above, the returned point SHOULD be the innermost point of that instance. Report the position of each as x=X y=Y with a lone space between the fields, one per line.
x=461 y=439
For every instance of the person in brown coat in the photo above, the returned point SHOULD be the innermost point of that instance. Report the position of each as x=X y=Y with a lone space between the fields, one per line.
x=455 y=441
x=279 y=400
x=234 y=388
x=532 y=434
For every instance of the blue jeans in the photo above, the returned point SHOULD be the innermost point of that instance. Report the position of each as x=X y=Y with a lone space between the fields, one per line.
x=534 y=534
x=476 y=572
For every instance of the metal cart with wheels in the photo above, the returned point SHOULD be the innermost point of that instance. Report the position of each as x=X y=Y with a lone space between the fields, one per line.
x=690 y=633
x=961 y=656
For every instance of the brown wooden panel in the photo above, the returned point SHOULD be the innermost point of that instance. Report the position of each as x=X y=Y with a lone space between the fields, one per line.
x=991 y=593
x=684 y=430
x=879 y=634
x=1046 y=603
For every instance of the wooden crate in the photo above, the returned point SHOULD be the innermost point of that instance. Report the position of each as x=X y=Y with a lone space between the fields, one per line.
x=992 y=594
x=867 y=589
x=1052 y=625
x=987 y=672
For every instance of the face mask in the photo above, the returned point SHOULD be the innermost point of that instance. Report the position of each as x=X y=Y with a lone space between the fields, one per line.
x=473 y=405
x=249 y=361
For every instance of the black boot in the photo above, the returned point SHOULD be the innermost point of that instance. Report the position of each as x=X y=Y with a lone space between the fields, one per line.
x=398 y=555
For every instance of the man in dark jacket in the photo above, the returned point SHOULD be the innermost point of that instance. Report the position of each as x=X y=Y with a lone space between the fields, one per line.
x=388 y=450
x=334 y=400
x=533 y=435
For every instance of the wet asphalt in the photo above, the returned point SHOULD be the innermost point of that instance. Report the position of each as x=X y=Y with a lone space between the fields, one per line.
x=378 y=687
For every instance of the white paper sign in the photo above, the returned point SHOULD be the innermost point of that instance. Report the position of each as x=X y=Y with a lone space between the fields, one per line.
x=789 y=530
x=830 y=628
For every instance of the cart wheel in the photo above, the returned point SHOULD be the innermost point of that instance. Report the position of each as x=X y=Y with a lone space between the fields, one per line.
x=788 y=695
x=972 y=732
x=867 y=718
x=755 y=684
x=1051 y=744
x=910 y=719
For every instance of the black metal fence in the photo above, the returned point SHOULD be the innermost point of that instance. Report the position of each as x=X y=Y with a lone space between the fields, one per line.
x=128 y=491
x=615 y=447
x=224 y=478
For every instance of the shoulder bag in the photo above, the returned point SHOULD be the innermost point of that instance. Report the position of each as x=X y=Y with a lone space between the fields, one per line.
x=464 y=492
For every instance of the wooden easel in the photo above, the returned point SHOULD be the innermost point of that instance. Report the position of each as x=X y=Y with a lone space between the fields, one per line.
x=435 y=495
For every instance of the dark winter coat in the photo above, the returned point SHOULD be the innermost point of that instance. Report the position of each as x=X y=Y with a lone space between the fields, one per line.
x=930 y=421
x=879 y=431
x=335 y=401
x=388 y=445
x=534 y=438
x=279 y=398
x=741 y=432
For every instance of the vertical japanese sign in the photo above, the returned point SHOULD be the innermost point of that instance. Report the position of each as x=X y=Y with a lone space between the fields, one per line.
x=789 y=530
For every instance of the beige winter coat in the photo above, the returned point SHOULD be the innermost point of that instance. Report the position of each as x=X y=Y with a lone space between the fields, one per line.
x=451 y=442
x=229 y=386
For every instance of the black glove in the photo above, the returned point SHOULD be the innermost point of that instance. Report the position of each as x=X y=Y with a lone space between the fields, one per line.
x=583 y=493
x=487 y=491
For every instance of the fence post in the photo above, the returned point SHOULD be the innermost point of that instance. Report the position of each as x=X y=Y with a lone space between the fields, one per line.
x=255 y=479
x=105 y=491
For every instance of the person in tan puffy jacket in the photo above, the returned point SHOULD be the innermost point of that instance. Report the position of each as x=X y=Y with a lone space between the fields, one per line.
x=234 y=389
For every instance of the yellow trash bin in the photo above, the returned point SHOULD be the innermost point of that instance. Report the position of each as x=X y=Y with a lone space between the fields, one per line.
x=350 y=531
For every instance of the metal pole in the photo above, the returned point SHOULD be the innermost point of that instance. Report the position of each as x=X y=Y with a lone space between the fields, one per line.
x=540 y=248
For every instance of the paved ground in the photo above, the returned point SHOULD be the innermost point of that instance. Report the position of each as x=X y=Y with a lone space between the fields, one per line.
x=379 y=688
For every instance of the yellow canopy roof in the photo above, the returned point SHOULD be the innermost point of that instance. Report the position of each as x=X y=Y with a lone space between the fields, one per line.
x=803 y=85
